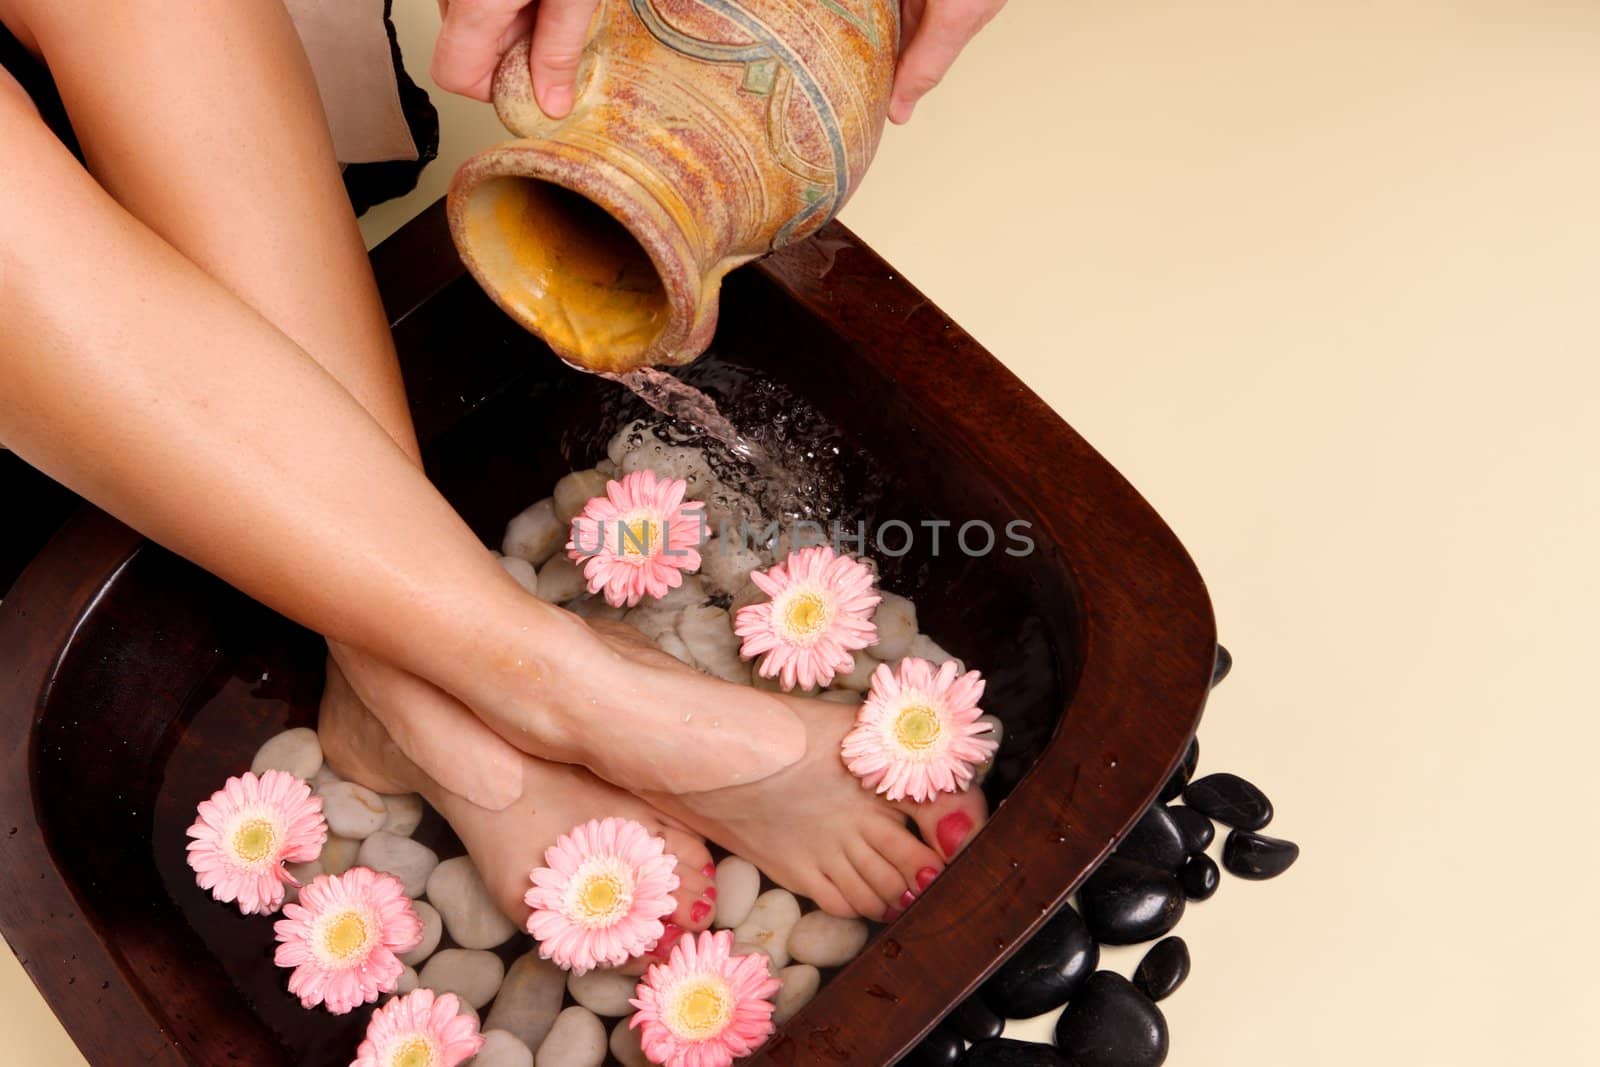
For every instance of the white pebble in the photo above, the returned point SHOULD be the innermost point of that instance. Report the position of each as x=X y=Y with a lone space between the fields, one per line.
x=501 y=1049
x=896 y=620
x=472 y=975
x=464 y=903
x=324 y=778
x=621 y=441
x=304 y=873
x=296 y=752
x=405 y=814
x=626 y=1048
x=576 y=490
x=352 y=810
x=859 y=680
x=767 y=927
x=578 y=1039
x=522 y=571
x=595 y=607
x=749 y=593
x=529 y=1000
x=560 y=580
x=690 y=592
x=924 y=647
x=338 y=854
x=407 y=982
x=653 y=621
x=673 y=645
x=997 y=734
x=708 y=634
x=408 y=860
x=800 y=984
x=604 y=992
x=738 y=885
x=432 y=934
x=536 y=534
x=824 y=940
x=608 y=468
x=726 y=564
x=841 y=696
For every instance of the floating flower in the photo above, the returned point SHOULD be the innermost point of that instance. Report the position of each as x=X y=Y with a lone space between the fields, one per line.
x=601 y=899
x=344 y=936
x=820 y=612
x=638 y=539
x=918 y=733
x=247 y=831
x=704 y=1007
x=419 y=1030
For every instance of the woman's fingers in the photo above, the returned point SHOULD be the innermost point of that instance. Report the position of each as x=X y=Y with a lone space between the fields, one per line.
x=936 y=32
x=475 y=34
x=559 y=37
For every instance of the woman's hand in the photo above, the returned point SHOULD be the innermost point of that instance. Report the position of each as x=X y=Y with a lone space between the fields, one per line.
x=932 y=35
x=476 y=33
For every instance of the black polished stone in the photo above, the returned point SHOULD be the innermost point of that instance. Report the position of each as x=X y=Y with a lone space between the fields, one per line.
x=1112 y=1024
x=1180 y=777
x=1157 y=840
x=1125 y=902
x=1004 y=1052
x=1197 y=830
x=1223 y=665
x=1163 y=968
x=1257 y=856
x=1229 y=799
x=1200 y=878
x=1047 y=971
x=1191 y=759
x=941 y=1048
x=976 y=1021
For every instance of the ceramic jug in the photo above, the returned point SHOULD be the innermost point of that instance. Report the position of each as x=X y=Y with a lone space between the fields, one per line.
x=705 y=133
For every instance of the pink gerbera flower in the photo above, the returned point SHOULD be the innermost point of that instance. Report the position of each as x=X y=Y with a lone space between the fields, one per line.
x=344 y=936
x=704 y=1007
x=419 y=1030
x=601 y=899
x=247 y=831
x=918 y=733
x=638 y=539
x=820 y=612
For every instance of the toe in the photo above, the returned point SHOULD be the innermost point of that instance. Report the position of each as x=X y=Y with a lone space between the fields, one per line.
x=916 y=863
x=825 y=895
x=696 y=893
x=950 y=821
x=876 y=870
x=862 y=899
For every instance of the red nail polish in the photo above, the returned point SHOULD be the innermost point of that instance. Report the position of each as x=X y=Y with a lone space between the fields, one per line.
x=892 y=914
x=906 y=899
x=710 y=893
x=698 y=913
x=952 y=830
x=709 y=870
x=925 y=877
x=669 y=940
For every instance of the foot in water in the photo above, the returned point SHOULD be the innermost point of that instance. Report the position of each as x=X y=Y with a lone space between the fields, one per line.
x=506 y=845
x=814 y=830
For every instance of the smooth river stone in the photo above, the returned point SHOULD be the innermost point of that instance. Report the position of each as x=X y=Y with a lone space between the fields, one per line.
x=1257 y=856
x=530 y=999
x=603 y=992
x=626 y=1048
x=997 y=734
x=824 y=940
x=653 y=620
x=1163 y=968
x=841 y=696
x=1004 y=1052
x=338 y=854
x=353 y=811
x=407 y=860
x=800 y=983
x=708 y=633
x=1112 y=1024
x=469 y=913
x=576 y=490
x=1200 y=878
x=296 y=752
x=975 y=1020
x=407 y=982
x=324 y=778
x=1180 y=777
x=470 y=974
x=859 y=680
x=726 y=565
x=1198 y=831
x=749 y=593
x=1223 y=666
x=522 y=571
x=405 y=814
x=621 y=442
x=1155 y=840
x=595 y=607
x=578 y=1039
x=1047 y=971
x=925 y=647
x=1125 y=902
x=560 y=580
x=673 y=645
x=768 y=926
x=691 y=592
x=536 y=534
x=896 y=620
x=738 y=885
x=501 y=1049
x=941 y=1048
x=1229 y=799
x=432 y=934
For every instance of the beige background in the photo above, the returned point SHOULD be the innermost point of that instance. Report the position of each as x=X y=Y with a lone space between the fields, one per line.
x=1321 y=279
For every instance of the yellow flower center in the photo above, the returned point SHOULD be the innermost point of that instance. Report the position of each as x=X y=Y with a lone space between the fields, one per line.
x=701 y=1008
x=415 y=1052
x=917 y=727
x=600 y=899
x=805 y=616
x=345 y=937
x=254 y=840
x=635 y=538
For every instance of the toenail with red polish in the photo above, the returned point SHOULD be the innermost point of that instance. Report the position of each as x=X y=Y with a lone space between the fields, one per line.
x=892 y=914
x=925 y=877
x=710 y=893
x=907 y=898
x=670 y=934
x=698 y=913
x=709 y=870
x=952 y=830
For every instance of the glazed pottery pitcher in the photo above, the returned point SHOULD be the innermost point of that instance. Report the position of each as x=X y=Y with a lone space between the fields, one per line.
x=705 y=133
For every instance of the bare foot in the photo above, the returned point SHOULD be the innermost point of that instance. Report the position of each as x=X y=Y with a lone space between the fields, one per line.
x=814 y=830
x=508 y=844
